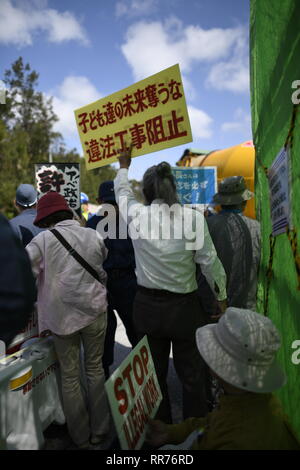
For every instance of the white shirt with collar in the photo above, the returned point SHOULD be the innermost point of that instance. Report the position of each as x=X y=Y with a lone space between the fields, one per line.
x=69 y=297
x=167 y=264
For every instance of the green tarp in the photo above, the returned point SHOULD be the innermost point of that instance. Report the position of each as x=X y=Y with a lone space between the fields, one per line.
x=274 y=65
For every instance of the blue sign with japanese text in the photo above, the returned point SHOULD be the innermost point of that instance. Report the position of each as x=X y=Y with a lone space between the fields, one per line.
x=195 y=185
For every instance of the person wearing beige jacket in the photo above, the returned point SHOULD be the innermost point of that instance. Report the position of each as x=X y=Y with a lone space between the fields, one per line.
x=72 y=307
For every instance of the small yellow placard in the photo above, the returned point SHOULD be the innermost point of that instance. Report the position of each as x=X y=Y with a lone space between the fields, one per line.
x=152 y=114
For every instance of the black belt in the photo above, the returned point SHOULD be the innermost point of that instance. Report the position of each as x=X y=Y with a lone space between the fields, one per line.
x=163 y=293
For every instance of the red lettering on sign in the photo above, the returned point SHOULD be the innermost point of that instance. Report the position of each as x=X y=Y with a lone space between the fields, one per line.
x=140 y=100
x=126 y=375
x=173 y=127
x=137 y=135
x=174 y=89
x=151 y=94
x=165 y=91
x=145 y=357
x=93 y=120
x=108 y=144
x=127 y=105
x=84 y=121
x=110 y=113
x=127 y=435
x=39 y=378
x=122 y=146
x=121 y=395
x=139 y=375
x=93 y=151
x=155 y=130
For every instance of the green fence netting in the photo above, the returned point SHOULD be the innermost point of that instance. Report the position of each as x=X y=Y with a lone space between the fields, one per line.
x=275 y=65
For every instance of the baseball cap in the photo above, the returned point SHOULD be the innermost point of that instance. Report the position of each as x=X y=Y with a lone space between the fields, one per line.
x=106 y=192
x=26 y=195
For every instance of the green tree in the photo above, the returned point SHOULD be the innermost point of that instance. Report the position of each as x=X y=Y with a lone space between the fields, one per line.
x=28 y=110
x=26 y=131
x=26 y=135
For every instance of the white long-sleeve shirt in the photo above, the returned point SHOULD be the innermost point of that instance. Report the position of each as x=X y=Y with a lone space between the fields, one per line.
x=170 y=263
x=69 y=297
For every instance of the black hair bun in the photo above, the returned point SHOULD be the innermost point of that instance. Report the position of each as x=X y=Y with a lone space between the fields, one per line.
x=164 y=170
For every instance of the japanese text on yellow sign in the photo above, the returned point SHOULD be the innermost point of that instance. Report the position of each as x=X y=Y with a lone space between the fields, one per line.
x=152 y=114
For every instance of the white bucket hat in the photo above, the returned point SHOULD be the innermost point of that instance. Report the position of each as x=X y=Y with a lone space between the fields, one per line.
x=241 y=350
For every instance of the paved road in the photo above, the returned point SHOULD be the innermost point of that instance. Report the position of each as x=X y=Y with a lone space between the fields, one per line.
x=57 y=437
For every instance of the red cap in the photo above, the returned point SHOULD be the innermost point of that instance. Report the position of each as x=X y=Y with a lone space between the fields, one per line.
x=50 y=203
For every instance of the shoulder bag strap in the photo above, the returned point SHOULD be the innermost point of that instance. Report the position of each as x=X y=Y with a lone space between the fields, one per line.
x=76 y=255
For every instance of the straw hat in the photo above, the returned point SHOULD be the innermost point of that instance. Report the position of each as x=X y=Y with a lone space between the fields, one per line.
x=241 y=350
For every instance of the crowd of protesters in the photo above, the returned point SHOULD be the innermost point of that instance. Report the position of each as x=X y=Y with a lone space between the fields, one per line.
x=194 y=293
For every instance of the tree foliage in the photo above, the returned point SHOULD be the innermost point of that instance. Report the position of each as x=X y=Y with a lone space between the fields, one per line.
x=27 y=134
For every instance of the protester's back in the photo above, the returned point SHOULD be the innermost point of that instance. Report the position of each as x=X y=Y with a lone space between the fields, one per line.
x=17 y=285
x=67 y=261
x=237 y=241
x=232 y=241
x=22 y=224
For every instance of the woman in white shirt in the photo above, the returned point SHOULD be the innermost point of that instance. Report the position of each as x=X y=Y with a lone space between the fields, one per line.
x=168 y=241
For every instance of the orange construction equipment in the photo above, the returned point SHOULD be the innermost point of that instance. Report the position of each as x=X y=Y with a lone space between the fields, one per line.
x=233 y=161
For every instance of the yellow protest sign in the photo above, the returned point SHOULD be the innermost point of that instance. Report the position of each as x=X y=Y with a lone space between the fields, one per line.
x=152 y=114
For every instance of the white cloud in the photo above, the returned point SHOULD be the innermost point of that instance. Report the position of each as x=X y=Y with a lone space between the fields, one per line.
x=20 y=21
x=241 y=123
x=150 y=47
x=73 y=93
x=190 y=91
x=133 y=8
x=200 y=123
x=232 y=75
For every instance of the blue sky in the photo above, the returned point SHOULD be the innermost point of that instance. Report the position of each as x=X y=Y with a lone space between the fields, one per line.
x=85 y=50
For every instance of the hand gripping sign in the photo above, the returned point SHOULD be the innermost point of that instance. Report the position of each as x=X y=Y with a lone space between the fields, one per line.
x=152 y=114
x=134 y=396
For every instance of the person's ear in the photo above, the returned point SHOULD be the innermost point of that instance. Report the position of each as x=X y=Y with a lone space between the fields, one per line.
x=16 y=205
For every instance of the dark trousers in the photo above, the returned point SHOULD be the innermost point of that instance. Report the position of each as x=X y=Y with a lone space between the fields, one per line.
x=169 y=318
x=121 y=294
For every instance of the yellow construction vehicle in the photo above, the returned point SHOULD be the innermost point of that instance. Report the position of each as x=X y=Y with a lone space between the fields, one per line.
x=233 y=161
